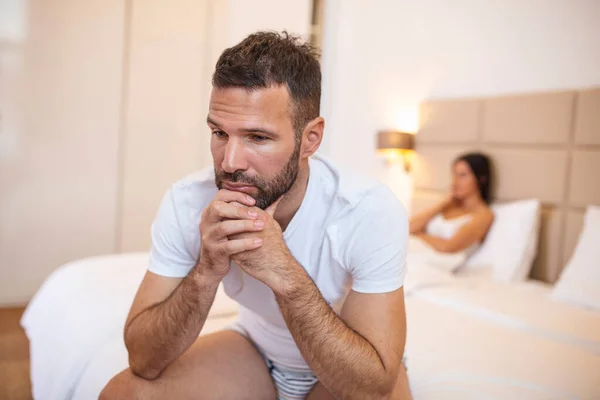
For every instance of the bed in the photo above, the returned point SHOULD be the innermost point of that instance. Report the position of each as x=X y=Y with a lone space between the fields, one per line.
x=454 y=349
x=476 y=329
x=544 y=147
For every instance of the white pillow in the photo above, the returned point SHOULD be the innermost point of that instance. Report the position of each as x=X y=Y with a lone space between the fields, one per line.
x=579 y=283
x=511 y=244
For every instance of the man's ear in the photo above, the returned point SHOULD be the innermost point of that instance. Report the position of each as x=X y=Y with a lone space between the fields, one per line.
x=312 y=137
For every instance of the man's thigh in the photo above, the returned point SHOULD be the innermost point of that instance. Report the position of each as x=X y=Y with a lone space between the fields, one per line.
x=401 y=391
x=223 y=365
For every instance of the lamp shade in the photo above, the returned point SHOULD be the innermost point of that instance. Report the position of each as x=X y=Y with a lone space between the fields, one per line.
x=395 y=140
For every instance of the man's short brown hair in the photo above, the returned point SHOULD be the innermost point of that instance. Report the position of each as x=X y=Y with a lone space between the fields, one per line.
x=266 y=59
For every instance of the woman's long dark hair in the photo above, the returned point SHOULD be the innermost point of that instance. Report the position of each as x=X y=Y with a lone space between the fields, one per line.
x=481 y=167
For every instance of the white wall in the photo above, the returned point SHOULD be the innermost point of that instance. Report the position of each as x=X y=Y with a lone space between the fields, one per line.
x=383 y=57
x=61 y=86
x=163 y=119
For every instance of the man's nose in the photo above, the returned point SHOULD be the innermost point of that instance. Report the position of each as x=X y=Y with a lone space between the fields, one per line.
x=235 y=158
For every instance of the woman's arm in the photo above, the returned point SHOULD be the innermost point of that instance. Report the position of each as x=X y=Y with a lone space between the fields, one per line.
x=419 y=221
x=472 y=232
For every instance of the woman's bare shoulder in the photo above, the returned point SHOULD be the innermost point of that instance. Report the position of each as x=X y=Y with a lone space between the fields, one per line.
x=484 y=211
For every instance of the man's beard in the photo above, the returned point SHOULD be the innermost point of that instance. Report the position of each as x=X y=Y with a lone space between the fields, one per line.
x=268 y=191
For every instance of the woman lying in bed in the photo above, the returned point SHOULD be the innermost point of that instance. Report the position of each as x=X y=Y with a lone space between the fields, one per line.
x=460 y=221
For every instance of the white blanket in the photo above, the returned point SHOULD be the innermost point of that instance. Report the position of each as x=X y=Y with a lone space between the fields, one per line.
x=80 y=308
x=527 y=306
x=427 y=267
x=419 y=251
x=453 y=355
x=112 y=359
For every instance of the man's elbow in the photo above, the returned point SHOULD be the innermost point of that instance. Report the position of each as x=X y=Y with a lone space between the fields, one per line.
x=143 y=369
x=383 y=392
x=141 y=366
x=385 y=388
x=392 y=386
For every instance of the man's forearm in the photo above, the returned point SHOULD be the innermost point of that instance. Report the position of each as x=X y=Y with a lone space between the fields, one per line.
x=345 y=362
x=160 y=334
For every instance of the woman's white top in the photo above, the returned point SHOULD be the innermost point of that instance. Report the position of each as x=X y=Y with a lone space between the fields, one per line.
x=446 y=228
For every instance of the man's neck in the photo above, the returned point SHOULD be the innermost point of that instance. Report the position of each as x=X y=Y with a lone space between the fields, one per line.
x=292 y=200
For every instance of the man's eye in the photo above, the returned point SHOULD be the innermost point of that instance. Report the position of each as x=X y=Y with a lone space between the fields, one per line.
x=220 y=134
x=259 y=138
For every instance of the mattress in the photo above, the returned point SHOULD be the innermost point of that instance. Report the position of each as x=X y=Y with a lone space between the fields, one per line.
x=527 y=306
x=80 y=307
x=454 y=355
x=111 y=358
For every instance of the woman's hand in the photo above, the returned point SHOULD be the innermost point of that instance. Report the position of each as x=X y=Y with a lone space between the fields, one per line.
x=419 y=222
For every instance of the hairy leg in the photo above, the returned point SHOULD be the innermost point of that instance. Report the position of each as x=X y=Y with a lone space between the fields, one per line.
x=401 y=391
x=222 y=365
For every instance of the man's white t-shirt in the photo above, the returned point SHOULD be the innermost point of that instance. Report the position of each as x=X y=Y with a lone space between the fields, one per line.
x=350 y=232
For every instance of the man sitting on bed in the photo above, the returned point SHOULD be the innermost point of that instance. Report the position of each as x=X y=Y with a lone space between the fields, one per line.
x=314 y=257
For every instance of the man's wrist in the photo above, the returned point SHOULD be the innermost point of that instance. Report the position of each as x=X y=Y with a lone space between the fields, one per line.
x=294 y=280
x=204 y=277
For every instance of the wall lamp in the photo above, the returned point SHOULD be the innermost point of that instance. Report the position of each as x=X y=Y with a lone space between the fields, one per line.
x=395 y=145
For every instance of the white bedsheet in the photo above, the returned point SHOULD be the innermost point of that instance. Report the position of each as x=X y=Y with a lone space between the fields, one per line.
x=453 y=355
x=527 y=306
x=79 y=308
x=111 y=359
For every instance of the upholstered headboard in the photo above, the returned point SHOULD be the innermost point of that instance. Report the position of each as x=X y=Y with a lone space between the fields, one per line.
x=543 y=145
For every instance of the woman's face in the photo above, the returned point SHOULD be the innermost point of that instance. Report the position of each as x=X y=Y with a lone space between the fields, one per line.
x=464 y=182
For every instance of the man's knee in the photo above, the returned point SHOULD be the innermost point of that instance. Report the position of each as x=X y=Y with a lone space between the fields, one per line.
x=122 y=386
